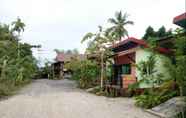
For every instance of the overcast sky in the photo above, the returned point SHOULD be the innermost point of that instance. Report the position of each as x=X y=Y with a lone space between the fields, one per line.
x=61 y=24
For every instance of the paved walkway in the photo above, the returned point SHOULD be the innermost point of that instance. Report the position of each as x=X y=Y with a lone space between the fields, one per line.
x=61 y=99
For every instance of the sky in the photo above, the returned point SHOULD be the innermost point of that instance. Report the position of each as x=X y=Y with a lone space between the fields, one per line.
x=61 y=24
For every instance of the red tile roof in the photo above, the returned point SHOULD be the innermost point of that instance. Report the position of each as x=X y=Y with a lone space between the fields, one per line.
x=60 y=57
x=130 y=39
x=141 y=43
x=180 y=17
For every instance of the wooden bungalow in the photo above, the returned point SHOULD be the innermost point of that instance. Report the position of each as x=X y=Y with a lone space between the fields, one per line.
x=58 y=66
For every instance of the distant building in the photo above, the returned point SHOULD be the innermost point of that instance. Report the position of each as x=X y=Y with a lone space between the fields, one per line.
x=60 y=60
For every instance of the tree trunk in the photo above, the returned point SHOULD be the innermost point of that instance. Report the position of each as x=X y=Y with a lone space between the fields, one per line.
x=181 y=91
x=102 y=69
x=18 y=46
x=53 y=73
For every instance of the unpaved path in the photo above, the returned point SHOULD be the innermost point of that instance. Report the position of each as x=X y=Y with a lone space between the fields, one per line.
x=61 y=99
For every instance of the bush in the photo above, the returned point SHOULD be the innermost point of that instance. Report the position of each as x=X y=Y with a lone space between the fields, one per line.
x=152 y=98
x=17 y=63
x=85 y=72
x=8 y=86
x=149 y=101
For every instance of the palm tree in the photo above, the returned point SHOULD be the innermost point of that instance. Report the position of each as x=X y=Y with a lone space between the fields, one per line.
x=18 y=26
x=118 y=29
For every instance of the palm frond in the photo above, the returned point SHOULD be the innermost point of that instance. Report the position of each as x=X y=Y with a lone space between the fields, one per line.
x=87 y=36
x=118 y=15
x=129 y=22
x=112 y=20
x=108 y=31
x=100 y=28
x=125 y=16
x=125 y=32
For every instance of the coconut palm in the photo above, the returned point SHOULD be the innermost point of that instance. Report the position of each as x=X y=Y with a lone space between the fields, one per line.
x=118 y=29
x=18 y=26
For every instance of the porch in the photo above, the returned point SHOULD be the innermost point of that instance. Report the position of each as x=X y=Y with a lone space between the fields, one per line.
x=124 y=69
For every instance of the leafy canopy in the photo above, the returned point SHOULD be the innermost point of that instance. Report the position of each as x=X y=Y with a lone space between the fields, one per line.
x=161 y=33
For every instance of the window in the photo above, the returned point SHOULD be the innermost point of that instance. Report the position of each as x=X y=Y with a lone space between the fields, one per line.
x=126 y=69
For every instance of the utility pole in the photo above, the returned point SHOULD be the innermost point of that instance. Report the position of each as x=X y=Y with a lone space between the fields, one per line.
x=18 y=46
x=102 y=70
x=102 y=65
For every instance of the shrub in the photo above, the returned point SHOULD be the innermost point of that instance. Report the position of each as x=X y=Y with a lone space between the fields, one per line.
x=17 y=63
x=152 y=98
x=7 y=86
x=85 y=72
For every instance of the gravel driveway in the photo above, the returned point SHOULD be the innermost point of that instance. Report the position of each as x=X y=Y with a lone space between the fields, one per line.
x=61 y=99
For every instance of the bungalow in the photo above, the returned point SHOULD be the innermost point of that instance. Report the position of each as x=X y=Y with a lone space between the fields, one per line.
x=131 y=51
x=128 y=53
x=57 y=66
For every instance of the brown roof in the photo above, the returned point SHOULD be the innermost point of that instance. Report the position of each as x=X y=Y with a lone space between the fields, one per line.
x=130 y=39
x=140 y=42
x=61 y=57
x=180 y=17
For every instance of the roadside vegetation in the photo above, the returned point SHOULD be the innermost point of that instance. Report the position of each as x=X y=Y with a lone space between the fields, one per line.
x=85 y=72
x=161 y=33
x=97 y=68
x=96 y=71
x=169 y=86
x=17 y=64
x=163 y=87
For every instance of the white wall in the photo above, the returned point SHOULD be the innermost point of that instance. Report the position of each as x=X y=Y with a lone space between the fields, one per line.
x=142 y=55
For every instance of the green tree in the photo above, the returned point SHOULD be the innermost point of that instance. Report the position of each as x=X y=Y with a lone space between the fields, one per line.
x=84 y=71
x=75 y=51
x=149 y=33
x=15 y=67
x=18 y=26
x=176 y=66
x=178 y=70
x=119 y=23
x=98 y=45
x=161 y=33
